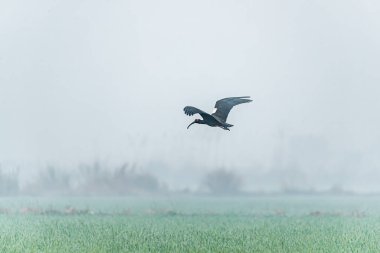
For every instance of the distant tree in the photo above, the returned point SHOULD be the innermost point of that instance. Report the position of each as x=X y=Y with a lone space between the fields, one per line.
x=9 y=184
x=222 y=182
x=50 y=181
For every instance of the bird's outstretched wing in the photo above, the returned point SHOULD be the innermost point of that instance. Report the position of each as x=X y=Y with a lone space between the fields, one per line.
x=224 y=106
x=190 y=111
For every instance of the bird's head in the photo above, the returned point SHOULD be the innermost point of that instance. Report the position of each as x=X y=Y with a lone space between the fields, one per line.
x=197 y=121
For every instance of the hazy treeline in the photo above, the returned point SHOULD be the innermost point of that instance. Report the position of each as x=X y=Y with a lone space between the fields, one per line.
x=100 y=179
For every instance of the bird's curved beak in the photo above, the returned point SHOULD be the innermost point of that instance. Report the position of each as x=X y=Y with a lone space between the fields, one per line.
x=191 y=124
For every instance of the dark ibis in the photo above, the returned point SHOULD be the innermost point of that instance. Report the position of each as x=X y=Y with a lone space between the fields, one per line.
x=219 y=116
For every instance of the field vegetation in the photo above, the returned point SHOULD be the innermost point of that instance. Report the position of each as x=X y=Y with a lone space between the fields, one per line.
x=190 y=224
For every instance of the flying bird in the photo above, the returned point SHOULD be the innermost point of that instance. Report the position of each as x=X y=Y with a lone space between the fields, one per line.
x=219 y=116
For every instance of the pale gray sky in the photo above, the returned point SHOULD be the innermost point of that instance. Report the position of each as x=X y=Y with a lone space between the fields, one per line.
x=85 y=80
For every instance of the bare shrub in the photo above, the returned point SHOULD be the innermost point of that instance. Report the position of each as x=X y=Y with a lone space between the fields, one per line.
x=222 y=182
x=99 y=179
x=91 y=179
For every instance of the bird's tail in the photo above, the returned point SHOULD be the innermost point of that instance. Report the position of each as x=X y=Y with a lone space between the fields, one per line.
x=229 y=125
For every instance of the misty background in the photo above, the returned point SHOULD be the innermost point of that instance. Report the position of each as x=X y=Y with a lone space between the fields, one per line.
x=103 y=83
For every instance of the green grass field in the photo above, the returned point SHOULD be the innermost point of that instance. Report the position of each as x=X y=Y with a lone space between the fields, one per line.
x=190 y=224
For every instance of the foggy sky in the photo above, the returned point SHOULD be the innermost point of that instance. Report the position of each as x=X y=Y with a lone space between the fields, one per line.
x=86 y=80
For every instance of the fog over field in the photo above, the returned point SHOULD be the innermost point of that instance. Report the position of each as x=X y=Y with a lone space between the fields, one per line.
x=105 y=82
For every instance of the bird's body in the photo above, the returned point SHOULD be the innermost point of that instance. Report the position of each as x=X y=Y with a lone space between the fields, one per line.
x=219 y=116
